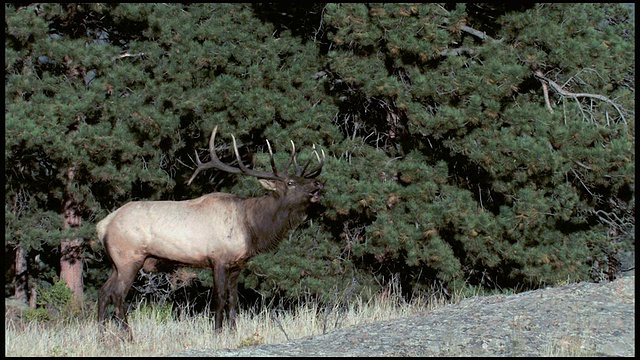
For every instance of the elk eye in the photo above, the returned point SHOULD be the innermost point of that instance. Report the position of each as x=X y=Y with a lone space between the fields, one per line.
x=291 y=183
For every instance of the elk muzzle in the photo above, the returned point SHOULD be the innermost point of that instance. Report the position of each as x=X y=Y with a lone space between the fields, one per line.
x=315 y=193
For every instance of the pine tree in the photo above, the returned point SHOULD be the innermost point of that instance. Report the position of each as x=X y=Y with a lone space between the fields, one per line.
x=480 y=144
x=520 y=199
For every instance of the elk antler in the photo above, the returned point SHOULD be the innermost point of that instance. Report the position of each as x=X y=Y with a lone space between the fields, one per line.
x=301 y=171
x=313 y=172
x=216 y=163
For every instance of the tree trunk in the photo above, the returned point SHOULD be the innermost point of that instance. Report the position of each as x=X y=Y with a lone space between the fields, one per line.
x=71 y=250
x=22 y=278
x=33 y=284
x=71 y=261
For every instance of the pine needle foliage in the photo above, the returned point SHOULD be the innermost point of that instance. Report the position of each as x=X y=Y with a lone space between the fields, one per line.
x=492 y=145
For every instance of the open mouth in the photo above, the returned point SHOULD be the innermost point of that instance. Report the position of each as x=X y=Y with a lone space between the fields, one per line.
x=315 y=195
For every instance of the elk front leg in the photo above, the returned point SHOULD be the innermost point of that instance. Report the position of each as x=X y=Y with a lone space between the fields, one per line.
x=220 y=293
x=232 y=304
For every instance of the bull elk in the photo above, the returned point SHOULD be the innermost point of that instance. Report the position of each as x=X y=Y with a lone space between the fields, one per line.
x=218 y=230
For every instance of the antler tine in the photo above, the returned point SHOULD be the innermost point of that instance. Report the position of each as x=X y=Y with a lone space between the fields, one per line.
x=316 y=171
x=273 y=164
x=296 y=166
x=235 y=150
x=304 y=168
x=292 y=158
x=256 y=173
x=197 y=169
x=214 y=162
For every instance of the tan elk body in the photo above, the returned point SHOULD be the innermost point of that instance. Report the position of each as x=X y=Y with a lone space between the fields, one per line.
x=217 y=230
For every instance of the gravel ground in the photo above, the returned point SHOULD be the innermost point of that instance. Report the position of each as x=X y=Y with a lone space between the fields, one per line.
x=585 y=319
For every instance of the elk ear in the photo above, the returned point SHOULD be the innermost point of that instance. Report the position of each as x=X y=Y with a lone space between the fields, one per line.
x=268 y=184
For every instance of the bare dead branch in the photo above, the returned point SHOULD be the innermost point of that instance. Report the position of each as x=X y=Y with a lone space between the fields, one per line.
x=545 y=91
x=275 y=319
x=565 y=93
x=477 y=33
x=582 y=165
x=457 y=51
x=127 y=54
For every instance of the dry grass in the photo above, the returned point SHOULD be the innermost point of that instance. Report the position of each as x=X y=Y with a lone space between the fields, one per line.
x=157 y=333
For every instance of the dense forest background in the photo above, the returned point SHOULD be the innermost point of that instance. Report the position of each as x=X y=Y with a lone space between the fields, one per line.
x=467 y=145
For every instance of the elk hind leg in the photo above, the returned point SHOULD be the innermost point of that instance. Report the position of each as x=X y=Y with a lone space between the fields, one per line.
x=125 y=279
x=114 y=291
x=106 y=296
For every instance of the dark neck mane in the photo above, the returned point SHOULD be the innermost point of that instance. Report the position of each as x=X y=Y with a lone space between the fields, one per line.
x=269 y=221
